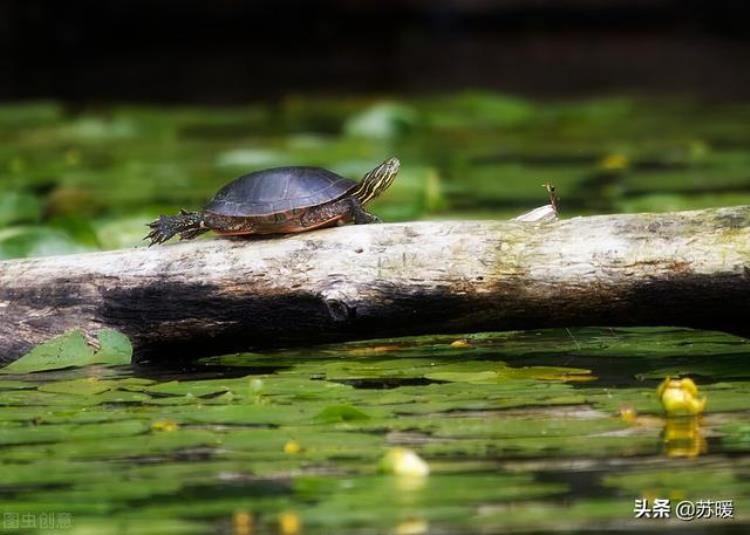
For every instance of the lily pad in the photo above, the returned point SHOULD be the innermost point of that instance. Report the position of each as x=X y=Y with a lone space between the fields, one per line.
x=72 y=350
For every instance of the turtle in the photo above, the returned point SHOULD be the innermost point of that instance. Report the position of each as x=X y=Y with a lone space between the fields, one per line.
x=280 y=200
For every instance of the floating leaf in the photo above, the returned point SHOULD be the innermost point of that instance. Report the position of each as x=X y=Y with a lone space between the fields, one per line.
x=340 y=413
x=506 y=373
x=64 y=351
x=78 y=387
x=62 y=432
x=71 y=350
x=115 y=348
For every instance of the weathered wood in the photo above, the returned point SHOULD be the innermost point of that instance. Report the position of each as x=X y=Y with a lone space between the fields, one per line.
x=209 y=297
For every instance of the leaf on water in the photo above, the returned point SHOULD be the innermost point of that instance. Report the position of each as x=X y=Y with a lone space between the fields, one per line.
x=78 y=387
x=116 y=348
x=370 y=368
x=174 y=401
x=37 y=434
x=117 y=396
x=547 y=373
x=134 y=384
x=340 y=413
x=374 y=350
x=314 y=443
x=719 y=366
x=71 y=350
x=200 y=389
x=484 y=377
x=15 y=385
x=104 y=525
x=242 y=415
x=65 y=351
x=506 y=373
x=135 y=445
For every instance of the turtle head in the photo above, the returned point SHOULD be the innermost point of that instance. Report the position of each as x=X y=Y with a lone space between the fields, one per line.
x=377 y=181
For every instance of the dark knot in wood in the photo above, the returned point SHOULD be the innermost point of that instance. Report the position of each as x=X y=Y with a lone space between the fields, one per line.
x=338 y=310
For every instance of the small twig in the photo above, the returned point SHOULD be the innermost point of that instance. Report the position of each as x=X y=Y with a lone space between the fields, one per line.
x=554 y=199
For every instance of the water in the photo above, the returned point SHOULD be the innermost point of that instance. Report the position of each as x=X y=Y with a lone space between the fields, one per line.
x=522 y=431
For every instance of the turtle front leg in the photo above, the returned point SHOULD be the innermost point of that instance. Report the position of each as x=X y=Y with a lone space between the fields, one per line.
x=360 y=215
x=344 y=210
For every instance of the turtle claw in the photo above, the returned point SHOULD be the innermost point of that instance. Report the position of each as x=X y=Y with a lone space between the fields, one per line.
x=187 y=224
x=161 y=230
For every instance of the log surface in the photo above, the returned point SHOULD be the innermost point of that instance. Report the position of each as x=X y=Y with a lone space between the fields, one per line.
x=209 y=297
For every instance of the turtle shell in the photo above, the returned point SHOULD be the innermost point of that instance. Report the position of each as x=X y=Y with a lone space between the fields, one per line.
x=277 y=190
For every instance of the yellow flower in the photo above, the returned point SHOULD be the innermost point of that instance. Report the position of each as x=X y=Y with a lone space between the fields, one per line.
x=289 y=523
x=242 y=522
x=680 y=396
x=614 y=162
x=412 y=526
x=165 y=425
x=404 y=462
x=292 y=447
x=628 y=414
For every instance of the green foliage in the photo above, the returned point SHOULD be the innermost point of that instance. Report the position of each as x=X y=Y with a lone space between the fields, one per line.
x=384 y=120
x=37 y=241
x=18 y=207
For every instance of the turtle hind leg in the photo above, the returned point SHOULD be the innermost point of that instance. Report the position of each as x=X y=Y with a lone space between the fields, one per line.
x=187 y=224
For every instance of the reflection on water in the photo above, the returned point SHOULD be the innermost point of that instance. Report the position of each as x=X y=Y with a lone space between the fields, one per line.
x=683 y=437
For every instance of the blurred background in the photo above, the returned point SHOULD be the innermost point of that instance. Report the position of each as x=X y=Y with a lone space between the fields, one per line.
x=112 y=112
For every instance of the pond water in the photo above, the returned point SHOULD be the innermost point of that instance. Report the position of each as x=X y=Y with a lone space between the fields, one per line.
x=522 y=431
x=548 y=431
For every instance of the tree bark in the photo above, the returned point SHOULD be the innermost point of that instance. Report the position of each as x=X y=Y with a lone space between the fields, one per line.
x=209 y=297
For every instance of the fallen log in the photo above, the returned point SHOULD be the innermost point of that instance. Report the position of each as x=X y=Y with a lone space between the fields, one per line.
x=209 y=297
